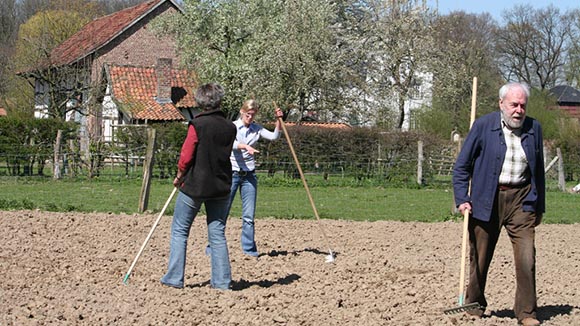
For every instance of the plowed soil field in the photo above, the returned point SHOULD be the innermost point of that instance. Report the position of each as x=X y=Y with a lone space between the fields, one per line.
x=68 y=268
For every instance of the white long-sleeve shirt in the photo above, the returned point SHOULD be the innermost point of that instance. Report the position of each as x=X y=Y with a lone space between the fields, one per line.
x=242 y=160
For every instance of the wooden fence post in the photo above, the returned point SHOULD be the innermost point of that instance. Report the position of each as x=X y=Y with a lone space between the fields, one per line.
x=420 y=159
x=147 y=170
x=561 y=176
x=459 y=141
x=56 y=172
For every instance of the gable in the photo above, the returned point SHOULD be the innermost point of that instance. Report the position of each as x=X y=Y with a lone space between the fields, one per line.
x=102 y=31
x=568 y=99
x=566 y=95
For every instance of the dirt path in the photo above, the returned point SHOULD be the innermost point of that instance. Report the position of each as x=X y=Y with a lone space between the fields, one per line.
x=67 y=269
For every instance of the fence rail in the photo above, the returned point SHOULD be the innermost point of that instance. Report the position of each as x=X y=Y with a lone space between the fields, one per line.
x=436 y=168
x=442 y=164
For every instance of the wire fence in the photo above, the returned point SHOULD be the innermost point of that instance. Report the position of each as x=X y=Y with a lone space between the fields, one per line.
x=341 y=187
x=432 y=169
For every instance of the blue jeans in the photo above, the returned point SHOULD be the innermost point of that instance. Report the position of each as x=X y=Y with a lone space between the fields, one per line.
x=248 y=185
x=186 y=208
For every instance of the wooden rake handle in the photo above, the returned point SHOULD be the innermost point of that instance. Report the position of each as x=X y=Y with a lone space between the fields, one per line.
x=303 y=178
x=466 y=212
x=463 y=255
x=128 y=274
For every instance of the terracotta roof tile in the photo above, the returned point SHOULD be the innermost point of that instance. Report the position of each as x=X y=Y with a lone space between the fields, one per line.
x=135 y=89
x=324 y=125
x=98 y=33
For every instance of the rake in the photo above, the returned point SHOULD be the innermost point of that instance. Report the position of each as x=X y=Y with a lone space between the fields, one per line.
x=330 y=257
x=126 y=278
x=475 y=305
x=470 y=306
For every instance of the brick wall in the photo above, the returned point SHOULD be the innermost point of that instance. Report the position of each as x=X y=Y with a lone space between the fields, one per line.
x=139 y=46
x=163 y=74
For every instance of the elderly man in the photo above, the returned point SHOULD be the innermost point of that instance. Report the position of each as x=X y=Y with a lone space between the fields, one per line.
x=503 y=159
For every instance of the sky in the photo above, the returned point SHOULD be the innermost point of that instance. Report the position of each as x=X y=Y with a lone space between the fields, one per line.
x=496 y=7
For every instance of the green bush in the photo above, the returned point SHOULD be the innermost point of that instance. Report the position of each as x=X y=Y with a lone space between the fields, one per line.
x=366 y=153
x=370 y=156
x=170 y=137
x=569 y=143
x=28 y=142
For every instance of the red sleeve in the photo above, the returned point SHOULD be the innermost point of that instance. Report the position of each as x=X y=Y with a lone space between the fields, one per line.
x=187 y=149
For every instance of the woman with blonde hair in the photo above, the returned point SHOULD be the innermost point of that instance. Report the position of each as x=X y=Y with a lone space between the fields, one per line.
x=243 y=168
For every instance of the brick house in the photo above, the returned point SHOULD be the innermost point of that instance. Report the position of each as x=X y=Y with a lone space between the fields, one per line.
x=143 y=95
x=124 y=38
x=568 y=99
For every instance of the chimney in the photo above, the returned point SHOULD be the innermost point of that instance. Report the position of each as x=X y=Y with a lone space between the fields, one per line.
x=163 y=73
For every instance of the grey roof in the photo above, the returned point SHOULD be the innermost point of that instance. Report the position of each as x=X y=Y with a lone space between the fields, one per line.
x=566 y=94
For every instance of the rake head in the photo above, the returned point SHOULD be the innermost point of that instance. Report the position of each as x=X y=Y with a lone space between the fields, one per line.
x=330 y=258
x=126 y=278
x=463 y=308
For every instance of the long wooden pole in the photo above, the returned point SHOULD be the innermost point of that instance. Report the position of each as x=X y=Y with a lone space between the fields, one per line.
x=128 y=274
x=466 y=212
x=147 y=169
x=305 y=184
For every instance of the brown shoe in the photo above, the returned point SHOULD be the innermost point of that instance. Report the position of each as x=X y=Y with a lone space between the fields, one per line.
x=529 y=321
x=472 y=316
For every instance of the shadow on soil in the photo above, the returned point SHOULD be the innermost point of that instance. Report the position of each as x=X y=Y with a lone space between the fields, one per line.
x=275 y=253
x=244 y=284
x=545 y=313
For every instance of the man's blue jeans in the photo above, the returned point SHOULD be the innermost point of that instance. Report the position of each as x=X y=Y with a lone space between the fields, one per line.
x=248 y=185
x=186 y=208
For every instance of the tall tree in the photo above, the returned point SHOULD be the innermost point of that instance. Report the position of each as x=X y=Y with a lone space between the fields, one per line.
x=216 y=40
x=533 y=45
x=279 y=50
x=398 y=38
x=305 y=63
x=573 y=59
x=42 y=33
x=8 y=31
x=463 y=49
x=15 y=14
x=111 y=6
x=36 y=39
x=28 y=8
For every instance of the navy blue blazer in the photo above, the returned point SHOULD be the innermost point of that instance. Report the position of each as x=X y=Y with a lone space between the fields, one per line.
x=481 y=159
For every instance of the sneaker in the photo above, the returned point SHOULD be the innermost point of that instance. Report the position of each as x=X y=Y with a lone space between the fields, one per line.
x=171 y=285
x=251 y=258
x=529 y=321
x=251 y=253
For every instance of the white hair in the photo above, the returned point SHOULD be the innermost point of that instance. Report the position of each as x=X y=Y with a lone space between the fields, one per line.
x=507 y=87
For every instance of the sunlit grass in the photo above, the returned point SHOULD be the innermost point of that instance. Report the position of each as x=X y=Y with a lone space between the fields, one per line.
x=276 y=198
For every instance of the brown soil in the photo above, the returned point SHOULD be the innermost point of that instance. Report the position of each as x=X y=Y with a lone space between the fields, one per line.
x=67 y=269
